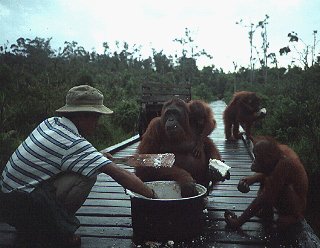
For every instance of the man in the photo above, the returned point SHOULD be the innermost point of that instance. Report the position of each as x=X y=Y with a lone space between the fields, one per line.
x=51 y=173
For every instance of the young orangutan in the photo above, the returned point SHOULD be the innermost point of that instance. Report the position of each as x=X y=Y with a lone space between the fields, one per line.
x=244 y=110
x=202 y=123
x=284 y=186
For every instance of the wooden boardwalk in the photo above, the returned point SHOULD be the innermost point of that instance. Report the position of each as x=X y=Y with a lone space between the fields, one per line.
x=106 y=215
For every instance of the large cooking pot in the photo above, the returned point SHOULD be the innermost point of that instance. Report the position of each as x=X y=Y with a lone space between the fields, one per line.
x=169 y=217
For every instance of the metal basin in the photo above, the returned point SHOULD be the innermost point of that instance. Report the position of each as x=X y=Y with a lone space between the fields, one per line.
x=169 y=217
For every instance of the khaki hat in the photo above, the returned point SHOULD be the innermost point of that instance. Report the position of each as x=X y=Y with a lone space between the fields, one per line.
x=84 y=98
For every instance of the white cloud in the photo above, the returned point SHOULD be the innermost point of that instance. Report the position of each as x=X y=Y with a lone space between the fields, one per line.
x=4 y=11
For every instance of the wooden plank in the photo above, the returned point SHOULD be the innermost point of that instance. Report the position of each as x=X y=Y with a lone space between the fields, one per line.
x=105 y=231
x=163 y=98
x=103 y=202
x=104 y=211
x=150 y=87
x=153 y=93
x=7 y=240
x=122 y=145
x=94 y=242
x=109 y=196
x=105 y=221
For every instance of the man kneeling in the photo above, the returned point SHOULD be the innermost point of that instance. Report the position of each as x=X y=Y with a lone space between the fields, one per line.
x=51 y=173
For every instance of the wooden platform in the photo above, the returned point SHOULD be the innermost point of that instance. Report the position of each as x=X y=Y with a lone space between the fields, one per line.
x=106 y=215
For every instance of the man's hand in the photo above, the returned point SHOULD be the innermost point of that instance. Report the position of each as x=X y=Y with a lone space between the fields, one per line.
x=128 y=180
x=107 y=155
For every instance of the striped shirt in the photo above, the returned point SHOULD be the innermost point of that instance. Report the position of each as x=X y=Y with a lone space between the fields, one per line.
x=52 y=147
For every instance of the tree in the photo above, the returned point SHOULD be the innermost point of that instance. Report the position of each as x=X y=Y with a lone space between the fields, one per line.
x=265 y=45
x=251 y=33
x=190 y=52
x=162 y=63
x=302 y=53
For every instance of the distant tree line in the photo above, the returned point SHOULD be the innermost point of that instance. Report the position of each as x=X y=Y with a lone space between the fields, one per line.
x=34 y=79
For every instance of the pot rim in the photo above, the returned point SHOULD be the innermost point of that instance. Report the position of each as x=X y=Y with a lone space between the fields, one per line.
x=136 y=195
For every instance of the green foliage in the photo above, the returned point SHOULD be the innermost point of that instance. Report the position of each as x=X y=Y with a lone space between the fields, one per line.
x=107 y=133
x=126 y=115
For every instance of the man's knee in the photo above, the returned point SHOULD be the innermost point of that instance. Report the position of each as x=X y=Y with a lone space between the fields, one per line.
x=72 y=189
x=66 y=182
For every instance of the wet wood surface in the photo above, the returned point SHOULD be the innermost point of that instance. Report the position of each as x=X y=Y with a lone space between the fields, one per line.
x=106 y=215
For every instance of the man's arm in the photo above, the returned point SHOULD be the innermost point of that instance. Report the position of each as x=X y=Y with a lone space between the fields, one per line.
x=127 y=180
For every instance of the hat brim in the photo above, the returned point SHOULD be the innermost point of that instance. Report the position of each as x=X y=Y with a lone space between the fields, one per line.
x=85 y=108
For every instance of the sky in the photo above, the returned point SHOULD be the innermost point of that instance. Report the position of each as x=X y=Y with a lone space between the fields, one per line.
x=155 y=24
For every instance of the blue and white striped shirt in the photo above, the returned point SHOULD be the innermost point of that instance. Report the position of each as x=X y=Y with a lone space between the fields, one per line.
x=52 y=147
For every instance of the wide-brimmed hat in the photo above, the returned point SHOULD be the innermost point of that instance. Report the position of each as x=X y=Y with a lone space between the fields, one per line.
x=84 y=98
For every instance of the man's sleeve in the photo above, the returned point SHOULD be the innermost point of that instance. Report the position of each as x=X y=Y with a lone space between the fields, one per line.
x=83 y=158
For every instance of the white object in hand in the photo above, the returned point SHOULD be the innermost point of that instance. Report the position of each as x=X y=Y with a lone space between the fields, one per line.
x=221 y=167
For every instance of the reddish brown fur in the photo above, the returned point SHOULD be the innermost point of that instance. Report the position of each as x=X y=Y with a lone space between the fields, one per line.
x=287 y=186
x=202 y=123
x=284 y=182
x=201 y=117
x=157 y=139
x=242 y=111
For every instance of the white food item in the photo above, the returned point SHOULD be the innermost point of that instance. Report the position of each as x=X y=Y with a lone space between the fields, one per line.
x=219 y=166
x=262 y=111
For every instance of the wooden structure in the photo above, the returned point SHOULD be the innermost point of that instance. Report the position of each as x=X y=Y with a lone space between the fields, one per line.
x=106 y=215
x=154 y=95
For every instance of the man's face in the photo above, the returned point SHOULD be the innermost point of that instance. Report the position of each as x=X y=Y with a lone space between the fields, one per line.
x=88 y=123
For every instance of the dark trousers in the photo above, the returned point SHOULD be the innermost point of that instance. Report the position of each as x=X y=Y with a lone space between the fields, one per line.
x=49 y=210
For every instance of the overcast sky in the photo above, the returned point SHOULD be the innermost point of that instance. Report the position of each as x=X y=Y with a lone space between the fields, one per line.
x=155 y=24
